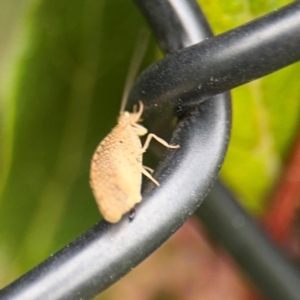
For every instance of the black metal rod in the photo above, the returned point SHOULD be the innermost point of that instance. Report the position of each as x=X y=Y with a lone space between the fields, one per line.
x=107 y=252
x=249 y=246
x=223 y=62
x=228 y=222
x=172 y=19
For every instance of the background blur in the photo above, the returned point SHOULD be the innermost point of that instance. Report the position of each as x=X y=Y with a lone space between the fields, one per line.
x=63 y=65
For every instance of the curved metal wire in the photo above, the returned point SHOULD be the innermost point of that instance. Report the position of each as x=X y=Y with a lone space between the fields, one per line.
x=106 y=252
x=226 y=61
x=277 y=278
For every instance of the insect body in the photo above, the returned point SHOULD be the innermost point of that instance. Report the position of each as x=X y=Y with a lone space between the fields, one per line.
x=116 y=168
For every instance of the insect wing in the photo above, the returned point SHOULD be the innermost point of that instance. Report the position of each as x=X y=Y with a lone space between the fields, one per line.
x=116 y=173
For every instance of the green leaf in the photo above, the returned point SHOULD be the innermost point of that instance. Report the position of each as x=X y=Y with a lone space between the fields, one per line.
x=265 y=114
x=265 y=122
x=63 y=65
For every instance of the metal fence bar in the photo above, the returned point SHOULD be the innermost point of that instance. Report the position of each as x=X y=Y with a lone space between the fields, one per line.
x=226 y=61
x=107 y=252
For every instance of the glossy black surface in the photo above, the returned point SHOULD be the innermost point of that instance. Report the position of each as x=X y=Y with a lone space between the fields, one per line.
x=240 y=234
x=223 y=62
x=176 y=85
x=107 y=252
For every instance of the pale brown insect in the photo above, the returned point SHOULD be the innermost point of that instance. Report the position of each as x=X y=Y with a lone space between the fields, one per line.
x=116 y=168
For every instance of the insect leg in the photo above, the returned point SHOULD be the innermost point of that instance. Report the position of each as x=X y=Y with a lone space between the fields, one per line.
x=148 y=169
x=160 y=140
x=131 y=214
x=146 y=173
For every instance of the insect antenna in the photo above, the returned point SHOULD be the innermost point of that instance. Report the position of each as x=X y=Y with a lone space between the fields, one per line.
x=135 y=63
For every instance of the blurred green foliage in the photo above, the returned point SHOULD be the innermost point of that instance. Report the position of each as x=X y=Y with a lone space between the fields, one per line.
x=63 y=68
x=67 y=78
x=265 y=113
